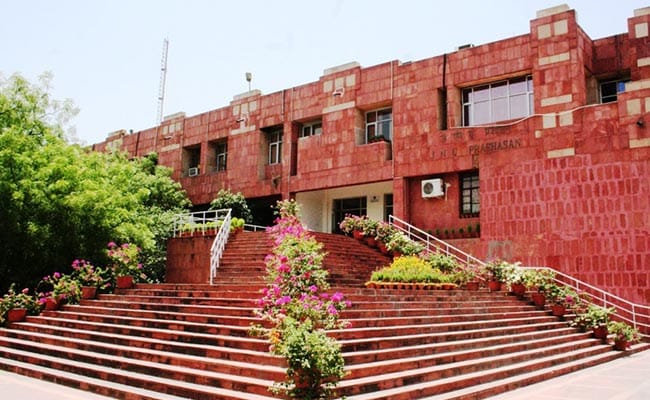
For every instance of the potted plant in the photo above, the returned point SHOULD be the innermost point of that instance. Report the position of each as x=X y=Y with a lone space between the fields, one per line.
x=515 y=277
x=125 y=264
x=494 y=272
x=90 y=278
x=237 y=225
x=57 y=289
x=561 y=298
x=384 y=234
x=370 y=231
x=595 y=318
x=538 y=281
x=15 y=306
x=624 y=334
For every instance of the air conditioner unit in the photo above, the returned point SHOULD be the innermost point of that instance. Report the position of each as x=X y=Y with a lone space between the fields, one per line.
x=194 y=171
x=432 y=188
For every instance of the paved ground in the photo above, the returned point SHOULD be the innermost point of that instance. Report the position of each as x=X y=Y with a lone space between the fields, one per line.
x=627 y=378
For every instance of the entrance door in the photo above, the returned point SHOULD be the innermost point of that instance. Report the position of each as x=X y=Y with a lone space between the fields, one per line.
x=354 y=206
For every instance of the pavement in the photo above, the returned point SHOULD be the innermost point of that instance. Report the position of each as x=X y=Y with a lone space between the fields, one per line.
x=627 y=378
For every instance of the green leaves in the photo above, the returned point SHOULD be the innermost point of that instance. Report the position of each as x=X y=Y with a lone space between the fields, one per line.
x=60 y=201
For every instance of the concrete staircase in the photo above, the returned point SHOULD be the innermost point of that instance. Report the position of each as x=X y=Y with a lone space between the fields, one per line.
x=171 y=341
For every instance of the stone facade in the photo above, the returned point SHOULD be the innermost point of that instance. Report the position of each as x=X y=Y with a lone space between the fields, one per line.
x=567 y=186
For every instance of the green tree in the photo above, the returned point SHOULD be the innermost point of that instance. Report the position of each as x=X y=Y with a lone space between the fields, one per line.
x=59 y=202
x=236 y=201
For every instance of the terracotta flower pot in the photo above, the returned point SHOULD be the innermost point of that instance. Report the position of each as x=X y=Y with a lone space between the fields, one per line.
x=494 y=286
x=371 y=241
x=558 y=310
x=51 y=304
x=88 y=292
x=124 y=282
x=539 y=299
x=382 y=247
x=357 y=234
x=620 y=345
x=600 y=332
x=518 y=289
x=16 y=314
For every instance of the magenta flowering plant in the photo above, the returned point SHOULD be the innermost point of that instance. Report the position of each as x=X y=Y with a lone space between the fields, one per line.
x=87 y=274
x=296 y=309
x=14 y=299
x=125 y=260
x=60 y=287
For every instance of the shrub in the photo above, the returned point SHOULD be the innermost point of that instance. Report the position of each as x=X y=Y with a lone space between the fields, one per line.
x=235 y=201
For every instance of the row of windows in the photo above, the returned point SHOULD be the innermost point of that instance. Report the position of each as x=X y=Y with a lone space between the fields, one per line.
x=484 y=104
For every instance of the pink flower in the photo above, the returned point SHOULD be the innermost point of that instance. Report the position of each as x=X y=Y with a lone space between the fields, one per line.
x=112 y=244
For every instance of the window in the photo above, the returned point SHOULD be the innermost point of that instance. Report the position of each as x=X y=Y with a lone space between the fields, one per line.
x=311 y=129
x=192 y=160
x=221 y=156
x=379 y=125
x=274 y=138
x=388 y=206
x=470 y=205
x=609 y=90
x=499 y=101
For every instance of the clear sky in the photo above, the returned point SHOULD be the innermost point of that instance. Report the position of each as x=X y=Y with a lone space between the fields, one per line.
x=106 y=55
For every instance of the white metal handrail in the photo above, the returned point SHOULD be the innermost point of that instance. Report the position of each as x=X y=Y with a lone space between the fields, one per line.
x=432 y=243
x=637 y=315
x=219 y=243
x=198 y=222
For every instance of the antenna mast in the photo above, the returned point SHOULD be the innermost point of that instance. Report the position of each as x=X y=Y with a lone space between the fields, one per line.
x=163 y=78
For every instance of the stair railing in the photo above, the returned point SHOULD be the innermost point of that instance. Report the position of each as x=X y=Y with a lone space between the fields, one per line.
x=637 y=315
x=219 y=243
x=197 y=223
x=432 y=243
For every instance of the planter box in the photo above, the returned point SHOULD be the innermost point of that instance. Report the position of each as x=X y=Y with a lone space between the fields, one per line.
x=88 y=292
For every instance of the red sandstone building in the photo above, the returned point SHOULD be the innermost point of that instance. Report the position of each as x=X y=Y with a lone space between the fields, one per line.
x=543 y=139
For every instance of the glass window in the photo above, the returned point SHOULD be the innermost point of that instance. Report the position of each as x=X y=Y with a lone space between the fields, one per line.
x=379 y=125
x=342 y=207
x=275 y=146
x=470 y=204
x=312 y=128
x=221 y=153
x=499 y=101
x=609 y=90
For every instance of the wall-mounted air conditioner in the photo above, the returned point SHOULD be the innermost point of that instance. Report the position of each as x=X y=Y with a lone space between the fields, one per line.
x=432 y=188
x=194 y=171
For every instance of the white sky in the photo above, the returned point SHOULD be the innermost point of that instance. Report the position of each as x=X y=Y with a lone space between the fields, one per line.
x=106 y=55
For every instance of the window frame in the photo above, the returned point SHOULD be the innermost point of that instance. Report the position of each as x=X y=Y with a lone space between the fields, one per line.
x=312 y=128
x=378 y=125
x=274 y=139
x=620 y=88
x=469 y=195
x=486 y=95
x=221 y=153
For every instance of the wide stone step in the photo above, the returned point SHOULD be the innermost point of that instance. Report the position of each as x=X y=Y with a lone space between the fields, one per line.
x=434 y=380
x=206 y=385
x=202 y=350
x=419 y=329
x=510 y=339
x=180 y=308
x=160 y=315
x=517 y=352
x=376 y=343
x=389 y=322
x=499 y=386
x=54 y=325
x=205 y=301
x=214 y=329
x=132 y=358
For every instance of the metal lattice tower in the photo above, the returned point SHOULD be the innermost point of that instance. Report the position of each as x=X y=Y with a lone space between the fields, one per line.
x=163 y=78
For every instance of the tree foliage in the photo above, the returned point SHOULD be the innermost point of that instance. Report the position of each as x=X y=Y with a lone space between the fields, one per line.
x=59 y=202
x=236 y=201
